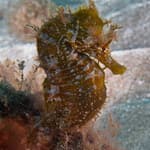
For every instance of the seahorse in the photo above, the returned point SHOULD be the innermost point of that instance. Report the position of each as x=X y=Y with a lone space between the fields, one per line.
x=70 y=46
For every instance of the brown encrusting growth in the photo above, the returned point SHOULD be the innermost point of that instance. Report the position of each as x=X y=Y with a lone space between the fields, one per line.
x=70 y=47
x=12 y=134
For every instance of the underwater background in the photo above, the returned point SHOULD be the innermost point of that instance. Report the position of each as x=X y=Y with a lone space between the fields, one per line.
x=132 y=99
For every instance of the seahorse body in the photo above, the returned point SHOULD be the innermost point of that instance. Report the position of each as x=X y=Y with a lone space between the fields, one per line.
x=74 y=89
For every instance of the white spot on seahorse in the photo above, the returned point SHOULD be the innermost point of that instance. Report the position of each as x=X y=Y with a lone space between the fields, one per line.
x=54 y=90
